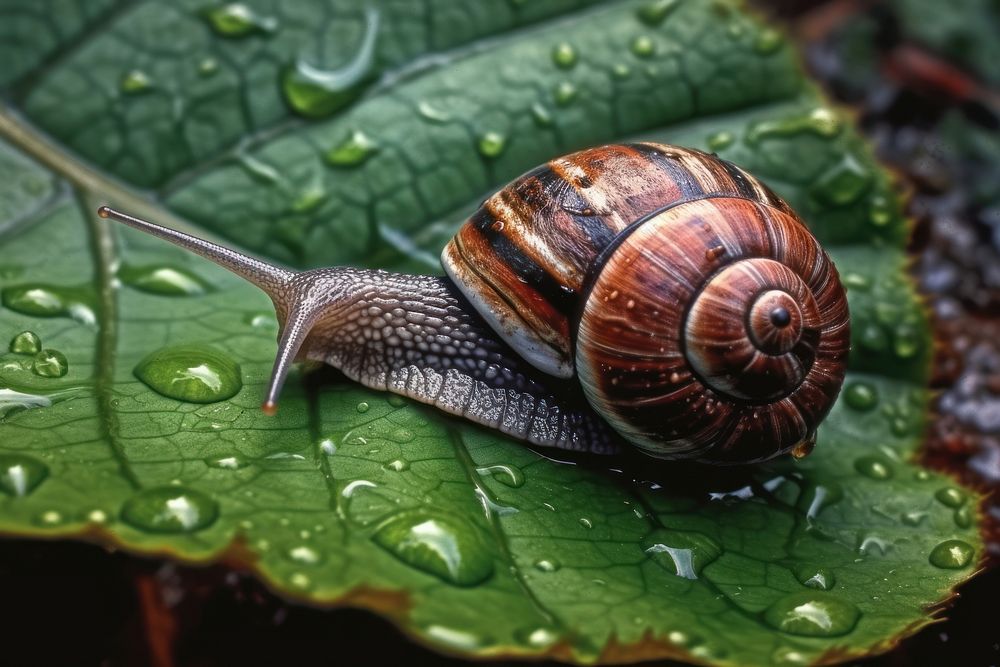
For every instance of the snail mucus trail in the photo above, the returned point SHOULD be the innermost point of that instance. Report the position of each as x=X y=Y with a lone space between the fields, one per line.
x=638 y=294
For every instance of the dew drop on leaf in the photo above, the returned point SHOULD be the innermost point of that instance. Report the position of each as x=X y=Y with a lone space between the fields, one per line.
x=684 y=553
x=26 y=342
x=819 y=578
x=963 y=517
x=547 y=565
x=208 y=66
x=230 y=462
x=21 y=474
x=304 y=554
x=564 y=55
x=861 y=396
x=397 y=465
x=363 y=407
x=642 y=46
x=812 y=614
x=913 y=518
x=447 y=547
x=952 y=554
x=536 y=637
x=315 y=92
x=719 y=140
x=236 y=19
x=507 y=475
x=950 y=496
x=653 y=13
x=491 y=144
x=822 y=122
x=328 y=446
x=191 y=373
x=874 y=467
x=353 y=151
x=50 y=364
x=460 y=639
x=44 y=300
x=565 y=93
x=170 y=509
x=542 y=116
x=844 y=183
x=11 y=400
x=163 y=280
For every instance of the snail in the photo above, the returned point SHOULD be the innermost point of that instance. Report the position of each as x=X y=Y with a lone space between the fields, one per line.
x=632 y=294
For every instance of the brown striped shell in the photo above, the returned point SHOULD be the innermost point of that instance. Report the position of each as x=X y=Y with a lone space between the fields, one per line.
x=701 y=317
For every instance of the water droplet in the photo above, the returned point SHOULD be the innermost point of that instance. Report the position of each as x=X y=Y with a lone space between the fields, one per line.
x=547 y=565
x=952 y=555
x=621 y=71
x=564 y=55
x=565 y=93
x=491 y=144
x=680 y=638
x=170 y=509
x=873 y=545
x=314 y=92
x=822 y=122
x=819 y=578
x=856 y=281
x=873 y=338
x=353 y=151
x=163 y=280
x=460 y=639
x=684 y=553
x=653 y=13
x=906 y=341
x=786 y=655
x=542 y=116
x=643 y=46
x=231 y=462
x=50 y=518
x=50 y=364
x=26 y=342
x=844 y=183
x=398 y=465
x=135 y=81
x=818 y=497
x=190 y=373
x=447 y=547
x=719 y=140
x=880 y=213
x=536 y=637
x=768 y=41
x=42 y=300
x=402 y=436
x=11 y=400
x=97 y=516
x=327 y=446
x=586 y=523
x=812 y=614
x=913 y=518
x=963 y=517
x=363 y=407
x=505 y=474
x=922 y=476
x=208 y=66
x=861 y=396
x=396 y=401
x=950 y=497
x=21 y=474
x=310 y=197
x=874 y=467
x=304 y=554
x=238 y=20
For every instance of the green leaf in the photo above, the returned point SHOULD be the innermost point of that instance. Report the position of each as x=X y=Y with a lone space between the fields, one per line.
x=469 y=541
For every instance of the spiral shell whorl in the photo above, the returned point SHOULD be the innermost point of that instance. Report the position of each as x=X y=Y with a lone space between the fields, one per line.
x=717 y=330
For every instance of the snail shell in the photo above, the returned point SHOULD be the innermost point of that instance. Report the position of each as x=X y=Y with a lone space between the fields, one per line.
x=650 y=291
x=700 y=316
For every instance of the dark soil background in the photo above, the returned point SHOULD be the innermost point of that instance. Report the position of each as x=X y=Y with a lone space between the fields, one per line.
x=937 y=123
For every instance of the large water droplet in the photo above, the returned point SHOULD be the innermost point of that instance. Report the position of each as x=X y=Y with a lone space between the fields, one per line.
x=50 y=364
x=812 y=614
x=952 y=554
x=861 y=396
x=21 y=474
x=819 y=578
x=844 y=183
x=874 y=467
x=491 y=144
x=352 y=151
x=190 y=373
x=447 y=547
x=162 y=279
x=505 y=474
x=238 y=20
x=170 y=509
x=43 y=300
x=564 y=55
x=11 y=400
x=962 y=517
x=653 y=13
x=314 y=92
x=818 y=497
x=950 y=496
x=822 y=122
x=684 y=553
x=26 y=342
x=135 y=81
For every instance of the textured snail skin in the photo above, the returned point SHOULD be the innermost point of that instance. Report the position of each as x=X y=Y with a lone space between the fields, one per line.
x=668 y=289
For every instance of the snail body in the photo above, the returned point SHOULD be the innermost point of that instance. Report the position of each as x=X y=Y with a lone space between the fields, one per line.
x=638 y=293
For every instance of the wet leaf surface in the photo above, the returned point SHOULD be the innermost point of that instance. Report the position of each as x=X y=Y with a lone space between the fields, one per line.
x=147 y=434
